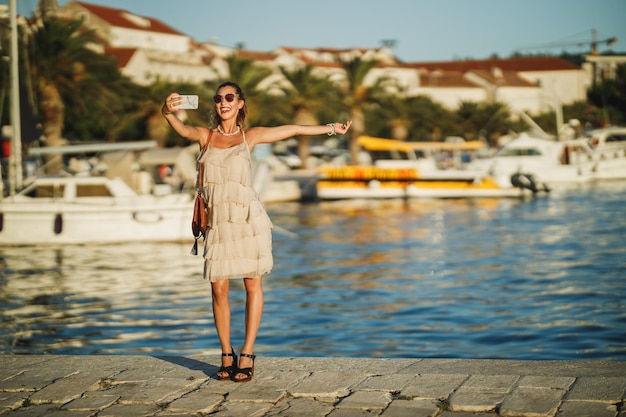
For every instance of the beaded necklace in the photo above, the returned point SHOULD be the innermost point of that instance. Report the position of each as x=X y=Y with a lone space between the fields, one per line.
x=219 y=129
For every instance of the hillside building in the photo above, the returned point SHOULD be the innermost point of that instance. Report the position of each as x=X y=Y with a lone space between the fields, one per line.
x=147 y=50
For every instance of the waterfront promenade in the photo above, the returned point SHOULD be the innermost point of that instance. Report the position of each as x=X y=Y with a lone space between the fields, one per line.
x=133 y=386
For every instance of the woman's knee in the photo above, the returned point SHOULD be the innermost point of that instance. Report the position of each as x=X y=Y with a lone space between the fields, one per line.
x=253 y=285
x=220 y=290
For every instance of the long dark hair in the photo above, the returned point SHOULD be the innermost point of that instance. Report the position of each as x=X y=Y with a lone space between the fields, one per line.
x=243 y=112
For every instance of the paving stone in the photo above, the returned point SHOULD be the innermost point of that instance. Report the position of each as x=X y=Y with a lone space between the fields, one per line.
x=214 y=386
x=230 y=409
x=586 y=409
x=606 y=389
x=432 y=386
x=29 y=380
x=266 y=386
x=32 y=411
x=535 y=381
x=344 y=412
x=12 y=400
x=91 y=403
x=198 y=401
x=501 y=383
x=532 y=402
x=48 y=411
x=8 y=372
x=300 y=407
x=128 y=410
x=393 y=383
x=61 y=391
x=518 y=367
x=14 y=364
x=365 y=366
x=475 y=401
x=369 y=400
x=201 y=367
x=454 y=414
x=326 y=384
x=482 y=393
x=185 y=373
x=156 y=391
x=411 y=408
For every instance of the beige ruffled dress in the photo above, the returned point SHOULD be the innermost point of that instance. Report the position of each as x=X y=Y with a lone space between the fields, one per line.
x=238 y=242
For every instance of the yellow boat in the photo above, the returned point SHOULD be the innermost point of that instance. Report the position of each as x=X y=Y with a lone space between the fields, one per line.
x=408 y=170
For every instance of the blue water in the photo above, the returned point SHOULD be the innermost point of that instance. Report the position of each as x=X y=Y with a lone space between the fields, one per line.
x=538 y=279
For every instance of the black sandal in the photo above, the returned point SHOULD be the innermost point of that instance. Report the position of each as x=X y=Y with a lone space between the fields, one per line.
x=248 y=372
x=229 y=370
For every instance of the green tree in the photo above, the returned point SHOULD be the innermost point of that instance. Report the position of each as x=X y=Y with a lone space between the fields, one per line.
x=249 y=76
x=67 y=73
x=429 y=119
x=309 y=96
x=486 y=118
x=78 y=91
x=357 y=95
x=389 y=115
x=610 y=96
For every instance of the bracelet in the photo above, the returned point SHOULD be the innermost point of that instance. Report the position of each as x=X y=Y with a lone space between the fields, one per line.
x=332 y=127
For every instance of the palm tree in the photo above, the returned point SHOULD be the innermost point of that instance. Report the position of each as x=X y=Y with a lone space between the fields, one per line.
x=140 y=112
x=65 y=70
x=429 y=119
x=390 y=116
x=486 y=118
x=357 y=96
x=249 y=76
x=308 y=96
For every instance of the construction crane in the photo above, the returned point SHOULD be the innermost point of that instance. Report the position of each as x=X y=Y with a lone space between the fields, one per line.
x=593 y=44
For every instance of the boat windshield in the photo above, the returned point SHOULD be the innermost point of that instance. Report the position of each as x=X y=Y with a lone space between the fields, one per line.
x=57 y=190
x=519 y=152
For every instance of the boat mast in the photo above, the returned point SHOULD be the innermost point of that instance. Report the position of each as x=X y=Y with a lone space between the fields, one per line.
x=15 y=158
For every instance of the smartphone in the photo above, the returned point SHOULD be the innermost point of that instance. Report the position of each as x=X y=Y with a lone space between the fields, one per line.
x=189 y=102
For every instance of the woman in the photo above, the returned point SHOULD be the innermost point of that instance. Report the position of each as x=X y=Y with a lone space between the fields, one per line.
x=238 y=241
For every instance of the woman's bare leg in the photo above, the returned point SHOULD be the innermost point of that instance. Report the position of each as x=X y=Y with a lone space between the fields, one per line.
x=221 y=316
x=254 y=312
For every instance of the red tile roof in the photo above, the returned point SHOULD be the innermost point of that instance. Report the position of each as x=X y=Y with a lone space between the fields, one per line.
x=444 y=79
x=122 y=55
x=505 y=78
x=541 y=63
x=116 y=17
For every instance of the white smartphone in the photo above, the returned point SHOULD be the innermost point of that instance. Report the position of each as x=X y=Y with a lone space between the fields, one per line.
x=189 y=102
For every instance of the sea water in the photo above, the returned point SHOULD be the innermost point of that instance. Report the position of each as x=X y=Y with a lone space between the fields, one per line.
x=543 y=278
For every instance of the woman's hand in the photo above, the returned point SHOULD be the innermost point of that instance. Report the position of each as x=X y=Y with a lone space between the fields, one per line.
x=342 y=128
x=171 y=102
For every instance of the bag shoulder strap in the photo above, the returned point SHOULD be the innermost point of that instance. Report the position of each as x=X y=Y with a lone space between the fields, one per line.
x=200 y=167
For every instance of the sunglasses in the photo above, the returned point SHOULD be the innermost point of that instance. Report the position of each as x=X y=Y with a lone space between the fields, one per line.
x=228 y=97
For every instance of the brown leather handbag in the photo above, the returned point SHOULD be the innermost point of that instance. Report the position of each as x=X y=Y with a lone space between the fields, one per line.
x=199 y=222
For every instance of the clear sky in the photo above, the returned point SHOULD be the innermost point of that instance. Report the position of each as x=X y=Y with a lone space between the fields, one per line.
x=433 y=30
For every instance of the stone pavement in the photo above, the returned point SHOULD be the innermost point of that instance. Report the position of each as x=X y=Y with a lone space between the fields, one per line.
x=134 y=386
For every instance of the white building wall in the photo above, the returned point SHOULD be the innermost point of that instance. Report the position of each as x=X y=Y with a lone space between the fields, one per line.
x=558 y=87
x=181 y=72
x=144 y=70
x=131 y=38
x=526 y=99
x=450 y=97
x=405 y=79
x=138 y=69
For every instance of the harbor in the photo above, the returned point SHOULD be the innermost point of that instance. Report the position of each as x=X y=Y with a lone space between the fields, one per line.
x=447 y=251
